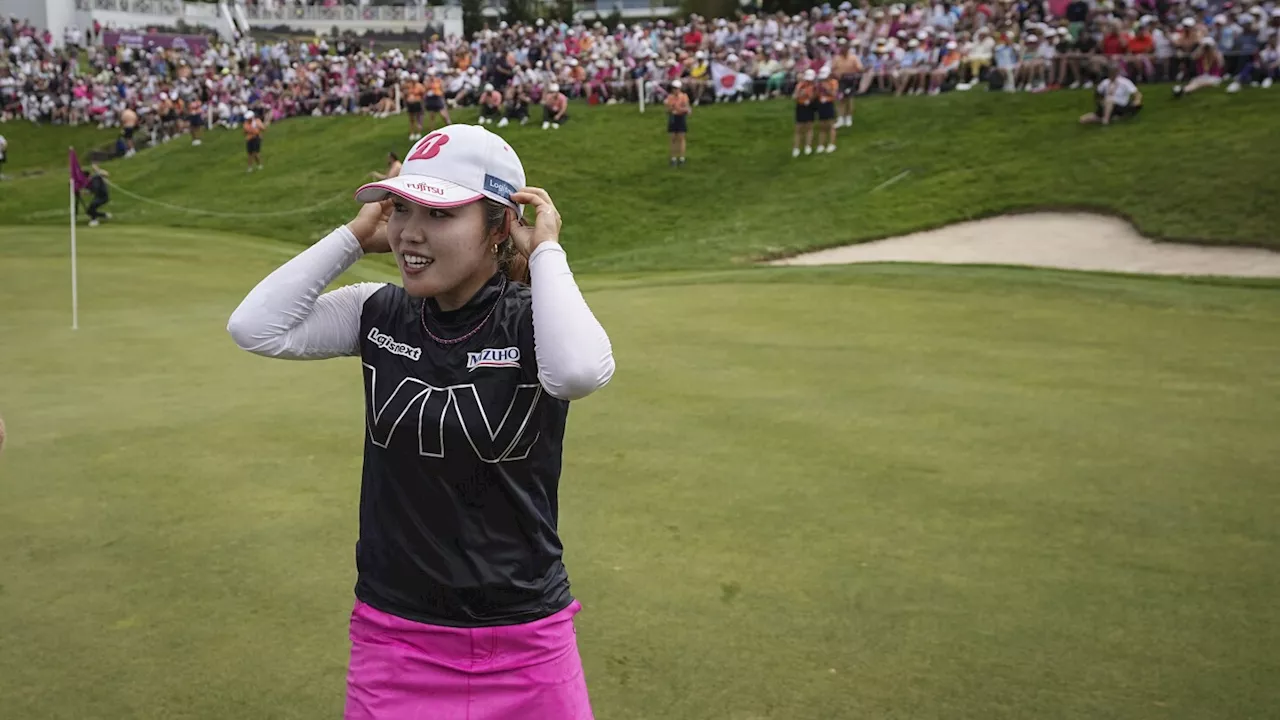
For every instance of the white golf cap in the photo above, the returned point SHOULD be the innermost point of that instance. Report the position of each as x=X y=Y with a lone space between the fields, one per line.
x=456 y=165
x=676 y=83
x=249 y=114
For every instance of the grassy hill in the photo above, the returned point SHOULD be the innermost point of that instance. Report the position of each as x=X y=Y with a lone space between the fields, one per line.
x=1202 y=169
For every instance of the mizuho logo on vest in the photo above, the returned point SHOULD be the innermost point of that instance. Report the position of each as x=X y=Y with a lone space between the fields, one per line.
x=494 y=357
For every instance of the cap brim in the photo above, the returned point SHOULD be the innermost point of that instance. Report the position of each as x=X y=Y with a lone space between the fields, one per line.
x=419 y=189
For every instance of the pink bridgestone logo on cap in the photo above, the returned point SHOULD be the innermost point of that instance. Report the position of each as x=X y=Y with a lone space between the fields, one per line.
x=429 y=147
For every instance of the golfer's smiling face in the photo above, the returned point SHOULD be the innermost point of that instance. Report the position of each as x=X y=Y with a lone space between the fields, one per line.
x=437 y=249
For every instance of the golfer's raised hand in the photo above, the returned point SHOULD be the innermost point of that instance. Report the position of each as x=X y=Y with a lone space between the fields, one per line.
x=370 y=226
x=548 y=220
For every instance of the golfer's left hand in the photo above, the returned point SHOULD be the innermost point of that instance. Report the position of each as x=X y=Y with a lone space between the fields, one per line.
x=527 y=238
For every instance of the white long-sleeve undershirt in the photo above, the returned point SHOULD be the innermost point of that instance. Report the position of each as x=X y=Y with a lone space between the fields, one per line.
x=288 y=315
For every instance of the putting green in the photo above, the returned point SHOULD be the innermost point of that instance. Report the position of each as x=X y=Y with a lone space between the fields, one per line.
x=880 y=491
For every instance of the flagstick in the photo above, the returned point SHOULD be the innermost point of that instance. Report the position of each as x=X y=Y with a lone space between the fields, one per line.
x=75 y=300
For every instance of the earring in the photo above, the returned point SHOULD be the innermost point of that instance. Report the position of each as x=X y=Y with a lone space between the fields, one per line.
x=495 y=249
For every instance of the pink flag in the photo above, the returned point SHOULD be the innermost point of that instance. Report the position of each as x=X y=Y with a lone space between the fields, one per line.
x=78 y=176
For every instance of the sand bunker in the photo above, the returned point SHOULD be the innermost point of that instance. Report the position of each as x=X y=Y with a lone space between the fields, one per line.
x=1071 y=241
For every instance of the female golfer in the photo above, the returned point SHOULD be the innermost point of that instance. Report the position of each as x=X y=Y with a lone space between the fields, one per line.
x=463 y=608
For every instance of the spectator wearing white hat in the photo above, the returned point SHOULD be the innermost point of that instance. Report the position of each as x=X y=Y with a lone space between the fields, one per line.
x=879 y=70
x=678 y=111
x=1246 y=54
x=1006 y=63
x=1032 y=66
x=847 y=69
x=828 y=93
x=1116 y=98
x=555 y=108
x=1209 y=67
x=948 y=68
x=910 y=71
x=4 y=150
x=253 y=129
x=434 y=102
x=806 y=95
x=518 y=100
x=413 y=91
x=698 y=77
x=490 y=104
x=1269 y=58
x=1186 y=42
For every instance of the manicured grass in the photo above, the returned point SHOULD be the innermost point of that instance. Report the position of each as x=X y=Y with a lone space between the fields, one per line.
x=882 y=491
x=41 y=151
x=1200 y=169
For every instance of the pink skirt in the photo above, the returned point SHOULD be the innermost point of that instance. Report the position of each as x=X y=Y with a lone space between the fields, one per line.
x=406 y=670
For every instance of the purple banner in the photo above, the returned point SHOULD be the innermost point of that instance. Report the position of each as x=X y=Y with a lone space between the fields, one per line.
x=196 y=44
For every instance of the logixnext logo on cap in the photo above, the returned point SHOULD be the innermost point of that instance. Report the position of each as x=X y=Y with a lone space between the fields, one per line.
x=499 y=187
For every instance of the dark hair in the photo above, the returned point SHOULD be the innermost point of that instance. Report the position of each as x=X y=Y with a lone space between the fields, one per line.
x=510 y=261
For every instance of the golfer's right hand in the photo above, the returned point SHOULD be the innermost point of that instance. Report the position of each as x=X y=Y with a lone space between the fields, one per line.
x=370 y=227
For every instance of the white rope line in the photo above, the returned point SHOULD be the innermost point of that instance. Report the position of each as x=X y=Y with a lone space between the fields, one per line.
x=890 y=181
x=197 y=211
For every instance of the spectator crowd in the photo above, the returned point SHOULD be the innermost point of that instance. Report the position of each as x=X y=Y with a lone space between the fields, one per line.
x=912 y=48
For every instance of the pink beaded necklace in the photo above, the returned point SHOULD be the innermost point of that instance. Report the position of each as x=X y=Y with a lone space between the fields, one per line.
x=442 y=341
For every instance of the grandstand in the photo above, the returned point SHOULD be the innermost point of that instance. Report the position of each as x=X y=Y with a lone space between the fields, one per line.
x=283 y=59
